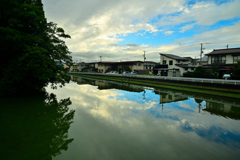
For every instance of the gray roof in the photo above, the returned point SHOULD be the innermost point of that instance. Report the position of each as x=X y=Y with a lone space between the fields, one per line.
x=175 y=57
x=185 y=65
x=225 y=51
x=205 y=58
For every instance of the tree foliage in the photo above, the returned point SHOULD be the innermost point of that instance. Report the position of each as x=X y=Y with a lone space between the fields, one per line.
x=236 y=69
x=30 y=48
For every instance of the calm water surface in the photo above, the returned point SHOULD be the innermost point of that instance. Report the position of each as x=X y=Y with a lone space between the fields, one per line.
x=95 y=119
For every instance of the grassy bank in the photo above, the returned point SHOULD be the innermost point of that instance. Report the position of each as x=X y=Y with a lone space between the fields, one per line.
x=187 y=88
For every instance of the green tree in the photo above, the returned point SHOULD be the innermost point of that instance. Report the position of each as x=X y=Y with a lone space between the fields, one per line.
x=214 y=71
x=200 y=70
x=236 y=69
x=30 y=48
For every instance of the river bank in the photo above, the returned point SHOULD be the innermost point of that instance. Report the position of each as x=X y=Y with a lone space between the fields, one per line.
x=217 y=91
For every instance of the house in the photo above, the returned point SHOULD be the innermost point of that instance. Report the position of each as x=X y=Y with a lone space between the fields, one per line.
x=223 y=59
x=148 y=65
x=120 y=67
x=174 y=66
x=200 y=61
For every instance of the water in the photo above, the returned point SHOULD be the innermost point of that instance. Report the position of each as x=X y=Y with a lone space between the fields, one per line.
x=95 y=119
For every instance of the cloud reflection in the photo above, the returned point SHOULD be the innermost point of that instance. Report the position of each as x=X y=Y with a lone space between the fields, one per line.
x=123 y=124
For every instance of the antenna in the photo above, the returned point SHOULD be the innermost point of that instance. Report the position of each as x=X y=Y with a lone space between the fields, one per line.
x=100 y=58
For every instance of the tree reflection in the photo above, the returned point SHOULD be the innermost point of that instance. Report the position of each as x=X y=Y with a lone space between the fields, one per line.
x=34 y=127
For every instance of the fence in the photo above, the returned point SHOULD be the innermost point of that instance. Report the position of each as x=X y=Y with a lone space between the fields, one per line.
x=185 y=79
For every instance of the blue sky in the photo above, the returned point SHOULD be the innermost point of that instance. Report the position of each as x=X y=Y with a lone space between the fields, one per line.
x=123 y=29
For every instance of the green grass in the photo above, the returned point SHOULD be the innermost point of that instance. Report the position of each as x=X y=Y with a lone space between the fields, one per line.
x=230 y=95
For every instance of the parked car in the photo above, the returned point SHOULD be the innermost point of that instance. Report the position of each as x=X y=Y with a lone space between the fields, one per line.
x=134 y=72
x=226 y=76
x=126 y=72
x=109 y=72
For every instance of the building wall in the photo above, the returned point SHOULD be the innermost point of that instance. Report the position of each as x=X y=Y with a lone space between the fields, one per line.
x=170 y=73
x=229 y=59
x=209 y=59
x=103 y=67
x=197 y=64
x=136 y=66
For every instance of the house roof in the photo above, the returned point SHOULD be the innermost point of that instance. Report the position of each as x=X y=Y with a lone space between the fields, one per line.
x=225 y=51
x=174 y=57
x=185 y=65
x=121 y=62
x=205 y=58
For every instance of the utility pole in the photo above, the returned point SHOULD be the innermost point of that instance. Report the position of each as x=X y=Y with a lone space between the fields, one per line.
x=100 y=58
x=201 y=52
x=144 y=59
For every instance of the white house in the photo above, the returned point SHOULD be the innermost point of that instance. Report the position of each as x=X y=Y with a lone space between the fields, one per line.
x=174 y=66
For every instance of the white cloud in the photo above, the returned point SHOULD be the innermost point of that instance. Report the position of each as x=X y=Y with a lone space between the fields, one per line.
x=187 y=27
x=169 y=32
x=97 y=25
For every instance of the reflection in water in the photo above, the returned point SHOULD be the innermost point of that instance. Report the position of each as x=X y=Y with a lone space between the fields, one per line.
x=222 y=107
x=117 y=120
x=34 y=127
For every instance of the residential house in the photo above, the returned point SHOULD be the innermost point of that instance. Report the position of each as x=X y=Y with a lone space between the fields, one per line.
x=224 y=59
x=174 y=66
x=148 y=65
x=120 y=67
x=200 y=62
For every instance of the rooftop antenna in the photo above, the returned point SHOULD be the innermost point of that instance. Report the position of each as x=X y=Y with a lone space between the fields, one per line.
x=227 y=46
x=100 y=58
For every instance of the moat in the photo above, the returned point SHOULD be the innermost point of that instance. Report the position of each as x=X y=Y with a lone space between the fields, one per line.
x=96 y=119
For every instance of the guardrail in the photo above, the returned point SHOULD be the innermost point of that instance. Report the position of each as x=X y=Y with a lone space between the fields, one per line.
x=201 y=80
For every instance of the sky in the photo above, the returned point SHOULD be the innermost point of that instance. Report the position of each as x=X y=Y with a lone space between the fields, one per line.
x=121 y=30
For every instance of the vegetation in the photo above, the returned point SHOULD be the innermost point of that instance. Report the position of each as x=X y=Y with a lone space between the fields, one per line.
x=236 y=71
x=30 y=48
x=201 y=72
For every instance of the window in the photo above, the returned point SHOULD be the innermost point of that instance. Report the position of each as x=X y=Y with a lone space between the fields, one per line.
x=178 y=61
x=164 y=62
x=139 y=64
x=192 y=69
x=236 y=58
x=135 y=64
x=218 y=59
x=186 y=69
x=170 y=62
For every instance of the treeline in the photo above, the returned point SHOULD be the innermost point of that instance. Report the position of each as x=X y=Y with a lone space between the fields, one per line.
x=30 y=48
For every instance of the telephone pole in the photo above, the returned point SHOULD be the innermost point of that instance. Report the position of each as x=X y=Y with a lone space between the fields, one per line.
x=201 y=52
x=144 y=59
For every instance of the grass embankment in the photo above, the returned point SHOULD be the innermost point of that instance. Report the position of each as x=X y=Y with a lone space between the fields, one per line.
x=188 y=88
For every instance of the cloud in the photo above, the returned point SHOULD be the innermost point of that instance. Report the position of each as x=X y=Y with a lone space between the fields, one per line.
x=169 y=32
x=99 y=27
x=187 y=27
